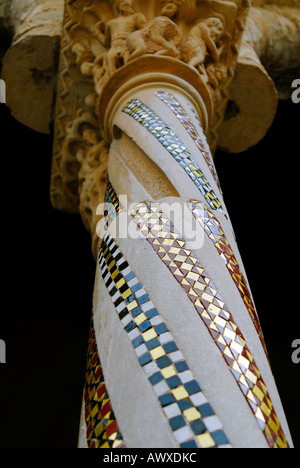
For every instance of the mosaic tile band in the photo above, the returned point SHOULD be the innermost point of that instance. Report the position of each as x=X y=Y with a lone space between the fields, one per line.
x=178 y=110
x=112 y=204
x=189 y=414
x=102 y=428
x=213 y=229
x=175 y=147
x=189 y=273
x=215 y=233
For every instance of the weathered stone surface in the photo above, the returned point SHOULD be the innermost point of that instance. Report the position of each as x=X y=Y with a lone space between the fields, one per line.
x=251 y=109
x=269 y=60
x=274 y=33
x=30 y=64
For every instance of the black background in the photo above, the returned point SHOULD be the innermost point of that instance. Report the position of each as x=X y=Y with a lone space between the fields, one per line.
x=48 y=274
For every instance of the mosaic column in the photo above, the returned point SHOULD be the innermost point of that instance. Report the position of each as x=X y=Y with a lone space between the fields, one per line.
x=184 y=355
x=176 y=355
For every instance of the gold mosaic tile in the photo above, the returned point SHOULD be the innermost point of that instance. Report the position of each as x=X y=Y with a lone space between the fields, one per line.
x=210 y=307
x=175 y=147
x=181 y=114
x=181 y=398
x=213 y=229
x=102 y=429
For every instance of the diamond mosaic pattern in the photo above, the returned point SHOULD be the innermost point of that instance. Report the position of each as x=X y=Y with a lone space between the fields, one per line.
x=200 y=289
x=187 y=123
x=102 y=428
x=190 y=415
x=214 y=231
x=175 y=147
x=112 y=205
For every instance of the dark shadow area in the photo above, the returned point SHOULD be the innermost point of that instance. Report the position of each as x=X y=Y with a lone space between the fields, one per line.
x=5 y=40
x=48 y=284
x=48 y=275
x=260 y=190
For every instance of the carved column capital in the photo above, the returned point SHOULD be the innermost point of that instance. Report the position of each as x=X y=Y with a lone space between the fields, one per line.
x=109 y=47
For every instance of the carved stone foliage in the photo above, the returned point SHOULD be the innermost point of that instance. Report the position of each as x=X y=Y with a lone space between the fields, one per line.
x=101 y=37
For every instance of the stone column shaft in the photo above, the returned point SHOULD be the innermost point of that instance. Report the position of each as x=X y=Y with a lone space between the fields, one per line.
x=175 y=323
x=176 y=353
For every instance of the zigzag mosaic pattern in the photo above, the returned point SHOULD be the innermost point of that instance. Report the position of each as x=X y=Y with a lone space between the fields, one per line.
x=215 y=233
x=112 y=203
x=189 y=414
x=187 y=123
x=102 y=428
x=201 y=291
x=166 y=136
